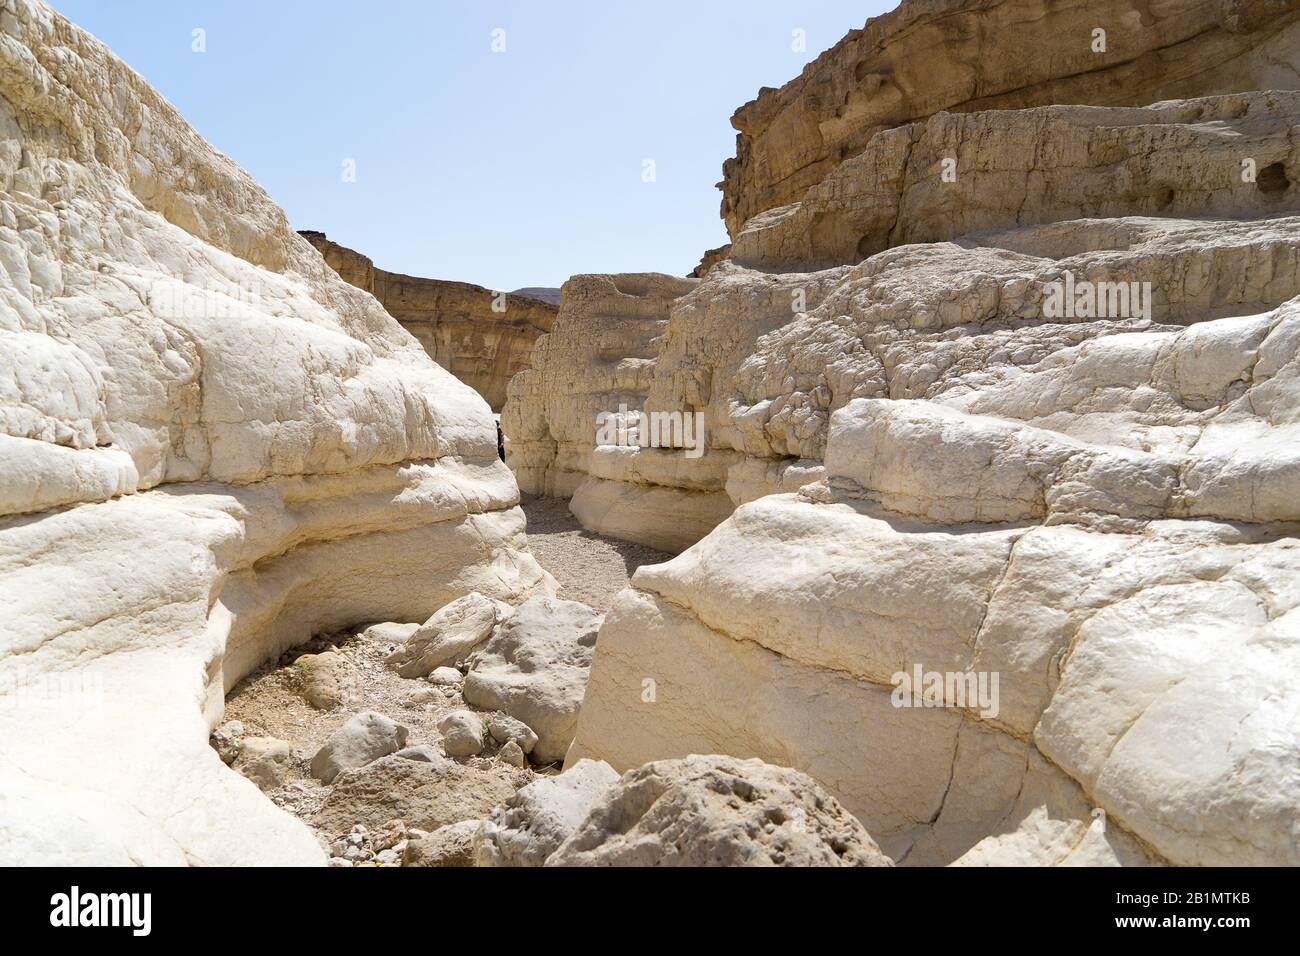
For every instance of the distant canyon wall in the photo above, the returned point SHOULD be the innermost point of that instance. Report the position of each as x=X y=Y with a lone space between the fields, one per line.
x=456 y=322
x=929 y=56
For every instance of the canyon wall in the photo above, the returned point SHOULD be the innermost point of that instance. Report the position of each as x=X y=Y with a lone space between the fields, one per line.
x=929 y=56
x=480 y=336
x=1014 y=441
x=211 y=447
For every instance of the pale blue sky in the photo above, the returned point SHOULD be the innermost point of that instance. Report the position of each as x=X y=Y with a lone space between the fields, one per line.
x=506 y=169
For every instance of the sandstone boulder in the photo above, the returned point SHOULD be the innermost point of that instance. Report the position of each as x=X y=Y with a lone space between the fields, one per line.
x=329 y=679
x=533 y=823
x=265 y=761
x=535 y=669
x=449 y=636
x=717 y=811
x=364 y=738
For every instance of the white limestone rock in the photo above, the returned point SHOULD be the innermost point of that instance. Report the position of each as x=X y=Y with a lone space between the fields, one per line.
x=449 y=636
x=462 y=734
x=364 y=738
x=532 y=824
x=211 y=448
x=535 y=669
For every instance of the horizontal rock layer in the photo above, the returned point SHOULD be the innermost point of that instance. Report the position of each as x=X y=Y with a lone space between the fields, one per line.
x=929 y=56
x=211 y=447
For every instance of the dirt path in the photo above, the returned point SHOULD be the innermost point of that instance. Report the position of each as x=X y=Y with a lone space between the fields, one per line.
x=591 y=568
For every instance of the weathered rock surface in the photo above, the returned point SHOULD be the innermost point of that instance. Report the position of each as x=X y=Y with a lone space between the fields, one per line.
x=964 y=173
x=452 y=845
x=364 y=738
x=423 y=795
x=596 y=364
x=533 y=823
x=211 y=448
x=535 y=669
x=933 y=55
x=480 y=336
x=717 y=811
x=1035 y=425
x=265 y=761
x=462 y=734
x=449 y=636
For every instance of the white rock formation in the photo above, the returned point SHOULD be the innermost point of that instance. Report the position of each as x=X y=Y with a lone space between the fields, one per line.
x=938 y=468
x=211 y=447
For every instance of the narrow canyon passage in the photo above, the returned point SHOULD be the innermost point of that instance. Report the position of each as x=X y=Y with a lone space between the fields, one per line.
x=290 y=707
x=589 y=567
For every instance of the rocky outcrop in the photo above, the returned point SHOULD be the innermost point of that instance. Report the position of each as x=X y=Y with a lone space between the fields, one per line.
x=211 y=447
x=1015 y=460
x=480 y=336
x=1099 y=511
x=957 y=174
x=717 y=811
x=930 y=56
x=566 y=418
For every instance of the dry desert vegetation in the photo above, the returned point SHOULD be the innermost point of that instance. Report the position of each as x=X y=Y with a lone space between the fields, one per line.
x=946 y=516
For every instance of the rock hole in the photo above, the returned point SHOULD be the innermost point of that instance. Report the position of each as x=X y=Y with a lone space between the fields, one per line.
x=1272 y=181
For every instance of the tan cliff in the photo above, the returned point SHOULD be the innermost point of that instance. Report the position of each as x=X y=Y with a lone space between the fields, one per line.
x=929 y=56
x=480 y=336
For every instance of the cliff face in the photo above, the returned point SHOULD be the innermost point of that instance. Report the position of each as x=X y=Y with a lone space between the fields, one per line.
x=933 y=55
x=1034 y=424
x=211 y=448
x=480 y=336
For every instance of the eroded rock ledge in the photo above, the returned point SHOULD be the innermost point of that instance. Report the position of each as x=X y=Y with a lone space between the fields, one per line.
x=929 y=56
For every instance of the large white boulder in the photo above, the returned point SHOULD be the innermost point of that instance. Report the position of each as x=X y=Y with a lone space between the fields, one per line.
x=535 y=669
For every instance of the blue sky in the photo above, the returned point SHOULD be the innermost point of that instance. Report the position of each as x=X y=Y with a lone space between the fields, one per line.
x=506 y=169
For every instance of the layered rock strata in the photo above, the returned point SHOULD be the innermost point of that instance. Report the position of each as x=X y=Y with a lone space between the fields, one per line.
x=211 y=447
x=480 y=336
x=930 y=56
x=1013 y=572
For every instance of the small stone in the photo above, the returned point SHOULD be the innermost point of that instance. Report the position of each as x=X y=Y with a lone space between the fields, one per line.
x=421 y=752
x=512 y=754
x=462 y=734
x=446 y=677
x=389 y=633
x=505 y=729
x=265 y=761
x=227 y=740
x=390 y=834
